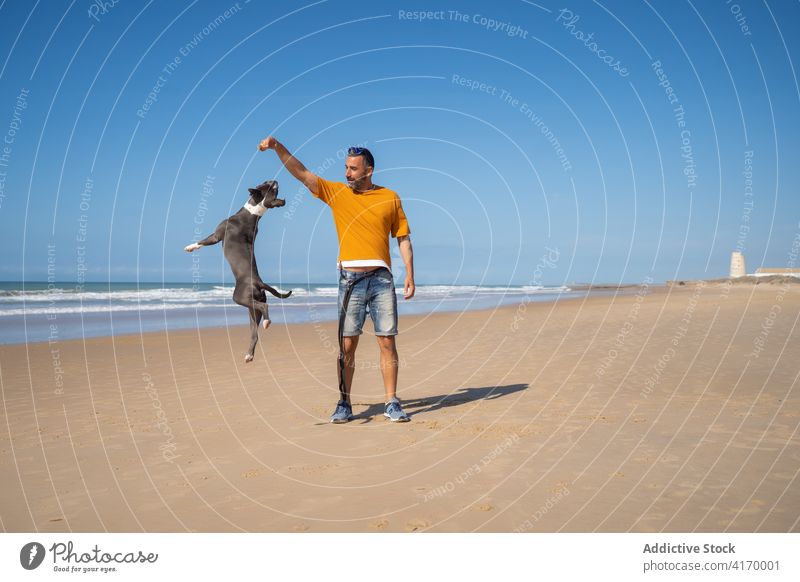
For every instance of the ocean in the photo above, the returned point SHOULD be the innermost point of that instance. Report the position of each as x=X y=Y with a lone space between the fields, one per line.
x=36 y=312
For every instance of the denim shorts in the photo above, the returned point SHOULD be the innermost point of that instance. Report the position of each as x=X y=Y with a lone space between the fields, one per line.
x=374 y=293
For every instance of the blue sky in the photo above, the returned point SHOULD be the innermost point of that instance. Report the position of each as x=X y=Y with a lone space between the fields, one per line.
x=531 y=143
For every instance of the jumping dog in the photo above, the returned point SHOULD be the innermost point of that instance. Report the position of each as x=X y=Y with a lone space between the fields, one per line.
x=239 y=234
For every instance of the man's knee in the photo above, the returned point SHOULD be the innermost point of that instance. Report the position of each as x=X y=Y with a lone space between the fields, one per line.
x=386 y=343
x=350 y=344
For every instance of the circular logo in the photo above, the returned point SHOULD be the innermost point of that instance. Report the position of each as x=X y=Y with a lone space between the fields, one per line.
x=31 y=555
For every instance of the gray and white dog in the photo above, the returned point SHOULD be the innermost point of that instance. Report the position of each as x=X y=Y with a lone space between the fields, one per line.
x=239 y=234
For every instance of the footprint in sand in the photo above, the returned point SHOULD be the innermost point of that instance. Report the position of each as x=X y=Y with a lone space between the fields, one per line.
x=251 y=473
x=417 y=524
x=312 y=469
x=486 y=507
x=380 y=524
x=301 y=527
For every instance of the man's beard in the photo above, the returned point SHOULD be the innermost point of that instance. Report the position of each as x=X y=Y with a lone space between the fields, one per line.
x=357 y=184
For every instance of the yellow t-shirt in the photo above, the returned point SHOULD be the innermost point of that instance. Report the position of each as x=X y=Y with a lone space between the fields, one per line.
x=363 y=220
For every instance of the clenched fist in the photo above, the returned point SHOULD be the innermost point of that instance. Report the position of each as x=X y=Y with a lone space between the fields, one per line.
x=268 y=143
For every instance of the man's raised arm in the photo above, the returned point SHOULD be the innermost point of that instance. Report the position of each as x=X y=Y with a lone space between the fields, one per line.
x=291 y=163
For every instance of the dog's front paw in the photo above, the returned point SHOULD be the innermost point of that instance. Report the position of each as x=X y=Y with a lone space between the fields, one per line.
x=266 y=323
x=248 y=358
x=191 y=247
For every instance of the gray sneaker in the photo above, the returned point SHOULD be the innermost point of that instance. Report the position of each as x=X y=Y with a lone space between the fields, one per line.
x=394 y=411
x=343 y=413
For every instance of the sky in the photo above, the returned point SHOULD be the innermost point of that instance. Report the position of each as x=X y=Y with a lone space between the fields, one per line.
x=531 y=143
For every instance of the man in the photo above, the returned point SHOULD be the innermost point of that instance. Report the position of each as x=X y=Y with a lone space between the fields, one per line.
x=365 y=215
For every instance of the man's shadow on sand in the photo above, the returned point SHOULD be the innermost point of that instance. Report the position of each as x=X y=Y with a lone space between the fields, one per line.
x=421 y=406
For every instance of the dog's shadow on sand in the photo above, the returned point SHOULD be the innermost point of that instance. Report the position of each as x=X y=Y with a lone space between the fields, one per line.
x=421 y=406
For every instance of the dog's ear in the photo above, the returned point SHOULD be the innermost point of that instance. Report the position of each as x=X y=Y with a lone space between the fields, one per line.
x=254 y=191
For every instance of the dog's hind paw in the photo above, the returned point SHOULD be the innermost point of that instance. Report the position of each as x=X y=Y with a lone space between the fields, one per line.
x=266 y=323
x=248 y=358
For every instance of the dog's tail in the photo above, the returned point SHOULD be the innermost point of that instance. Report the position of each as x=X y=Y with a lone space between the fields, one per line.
x=275 y=291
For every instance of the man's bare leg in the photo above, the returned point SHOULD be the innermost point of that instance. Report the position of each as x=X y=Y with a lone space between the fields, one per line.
x=350 y=345
x=389 y=364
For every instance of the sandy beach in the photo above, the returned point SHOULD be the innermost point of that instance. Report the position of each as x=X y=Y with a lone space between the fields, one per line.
x=661 y=409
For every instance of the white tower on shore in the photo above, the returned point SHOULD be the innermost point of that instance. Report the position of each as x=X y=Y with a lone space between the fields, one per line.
x=737 y=264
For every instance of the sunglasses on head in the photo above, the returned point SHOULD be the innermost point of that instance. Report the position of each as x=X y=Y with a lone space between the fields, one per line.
x=359 y=151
